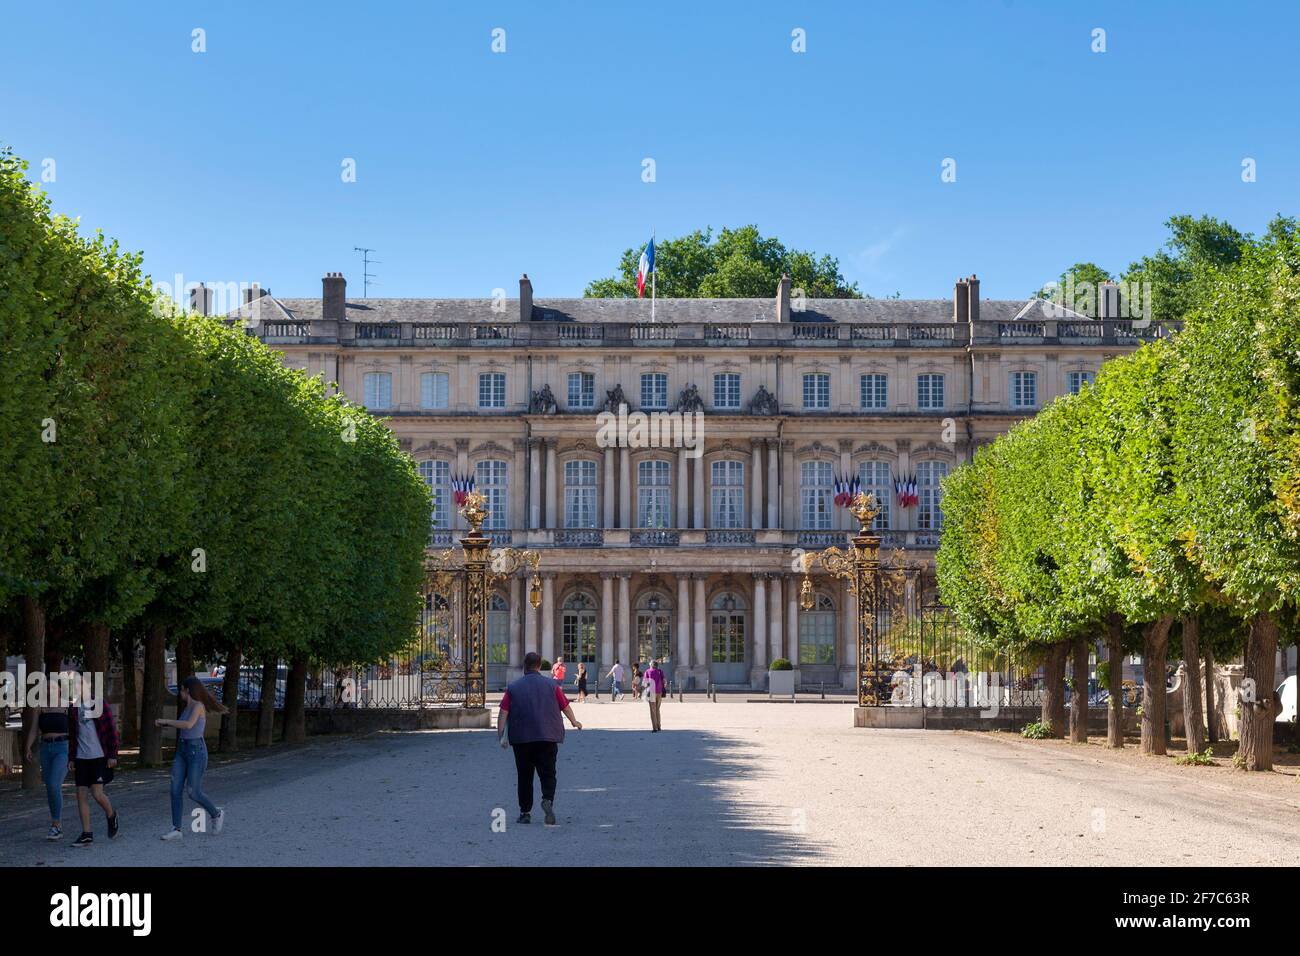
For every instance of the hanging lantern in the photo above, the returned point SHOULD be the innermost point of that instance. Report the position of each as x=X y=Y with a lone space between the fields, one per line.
x=535 y=592
x=806 y=594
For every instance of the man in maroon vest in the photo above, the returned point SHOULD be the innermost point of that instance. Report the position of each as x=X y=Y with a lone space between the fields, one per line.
x=530 y=720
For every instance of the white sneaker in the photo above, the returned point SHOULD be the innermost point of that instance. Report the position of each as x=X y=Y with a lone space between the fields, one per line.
x=219 y=821
x=173 y=834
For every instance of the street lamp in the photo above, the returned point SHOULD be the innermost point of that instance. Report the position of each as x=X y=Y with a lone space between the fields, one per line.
x=860 y=567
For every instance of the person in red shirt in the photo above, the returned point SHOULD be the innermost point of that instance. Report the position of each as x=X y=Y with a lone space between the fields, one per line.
x=529 y=721
x=559 y=671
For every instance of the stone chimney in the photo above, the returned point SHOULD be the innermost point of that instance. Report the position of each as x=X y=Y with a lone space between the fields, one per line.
x=525 y=298
x=974 y=285
x=961 y=302
x=1108 y=301
x=201 y=300
x=254 y=291
x=334 y=297
x=783 y=299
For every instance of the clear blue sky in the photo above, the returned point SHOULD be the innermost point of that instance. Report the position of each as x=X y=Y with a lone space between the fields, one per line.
x=473 y=167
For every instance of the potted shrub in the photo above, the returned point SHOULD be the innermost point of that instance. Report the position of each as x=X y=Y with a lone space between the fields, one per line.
x=780 y=678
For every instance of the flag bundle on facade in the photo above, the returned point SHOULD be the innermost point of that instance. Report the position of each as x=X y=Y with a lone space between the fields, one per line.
x=846 y=489
x=461 y=486
x=905 y=491
x=645 y=269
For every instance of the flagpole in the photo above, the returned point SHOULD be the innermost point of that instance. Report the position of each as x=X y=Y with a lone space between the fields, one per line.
x=654 y=271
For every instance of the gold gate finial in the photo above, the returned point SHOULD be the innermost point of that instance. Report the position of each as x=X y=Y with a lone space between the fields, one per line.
x=864 y=509
x=474 y=512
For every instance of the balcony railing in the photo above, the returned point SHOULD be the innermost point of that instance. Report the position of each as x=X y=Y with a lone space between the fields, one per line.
x=493 y=331
x=581 y=333
x=728 y=536
x=286 y=330
x=439 y=330
x=727 y=333
x=823 y=539
x=872 y=333
x=655 y=538
x=819 y=331
x=1021 y=330
x=379 y=330
x=579 y=537
x=654 y=330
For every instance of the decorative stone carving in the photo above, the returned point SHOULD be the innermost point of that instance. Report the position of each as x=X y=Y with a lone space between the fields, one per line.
x=764 y=403
x=543 y=402
x=614 y=397
x=689 y=400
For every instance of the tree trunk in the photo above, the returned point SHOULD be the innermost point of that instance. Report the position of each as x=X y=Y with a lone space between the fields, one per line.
x=34 y=655
x=1115 y=664
x=184 y=667
x=229 y=741
x=1194 y=729
x=1155 y=653
x=295 y=691
x=266 y=705
x=96 y=660
x=130 y=694
x=1212 y=731
x=1256 y=750
x=1053 y=705
x=1079 y=693
x=155 y=690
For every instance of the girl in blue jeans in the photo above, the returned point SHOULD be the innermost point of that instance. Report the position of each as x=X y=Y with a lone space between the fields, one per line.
x=51 y=724
x=192 y=755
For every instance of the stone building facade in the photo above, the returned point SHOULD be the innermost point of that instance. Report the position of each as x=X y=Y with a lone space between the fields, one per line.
x=686 y=553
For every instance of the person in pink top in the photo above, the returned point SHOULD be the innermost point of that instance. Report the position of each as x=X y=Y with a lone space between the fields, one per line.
x=654 y=692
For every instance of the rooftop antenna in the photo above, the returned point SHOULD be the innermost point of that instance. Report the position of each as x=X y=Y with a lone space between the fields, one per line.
x=367 y=278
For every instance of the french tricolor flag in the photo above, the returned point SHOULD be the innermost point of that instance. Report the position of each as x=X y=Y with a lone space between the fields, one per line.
x=645 y=268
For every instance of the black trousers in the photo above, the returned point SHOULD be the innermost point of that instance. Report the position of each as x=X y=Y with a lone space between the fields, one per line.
x=538 y=756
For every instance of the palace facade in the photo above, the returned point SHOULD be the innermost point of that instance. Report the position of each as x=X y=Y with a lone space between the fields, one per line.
x=687 y=553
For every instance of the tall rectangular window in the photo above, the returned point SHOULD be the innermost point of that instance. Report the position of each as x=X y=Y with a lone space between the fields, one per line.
x=727 y=494
x=378 y=389
x=654 y=390
x=582 y=390
x=580 y=494
x=490 y=478
x=437 y=475
x=929 y=390
x=726 y=390
x=816 y=390
x=1075 y=381
x=873 y=391
x=492 y=390
x=875 y=479
x=654 y=494
x=929 y=474
x=1024 y=389
x=433 y=390
x=816 y=499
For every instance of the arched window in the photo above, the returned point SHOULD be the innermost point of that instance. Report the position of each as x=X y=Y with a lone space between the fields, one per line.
x=490 y=478
x=727 y=631
x=437 y=475
x=727 y=492
x=580 y=494
x=816 y=500
x=875 y=479
x=654 y=494
x=817 y=632
x=498 y=630
x=928 y=475
x=654 y=627
x=578 y=629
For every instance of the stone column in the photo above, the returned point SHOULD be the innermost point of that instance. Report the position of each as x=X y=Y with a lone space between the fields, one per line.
x=534 y=483
x=775 y=616
x=756 y=484
x=607 y=489
x=789 y=493
x=625 y=502
x=701 y=669
x=552 y=486
x=682 y=500
x=792 y=620
x=530 y=628
x=516 y=652
x=773 y=484
x=606 y=624
x=548 y=617
x=758 y=666
x=625 y=617
x=699 y=467
x=517 y=504
x=683 y=629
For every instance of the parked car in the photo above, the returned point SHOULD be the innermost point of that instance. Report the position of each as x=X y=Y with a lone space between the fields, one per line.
x=213 y=685
x=1286 y=694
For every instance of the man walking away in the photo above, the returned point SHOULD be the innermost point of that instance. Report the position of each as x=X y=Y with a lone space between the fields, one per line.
x=530 y=720
x=615 y=676
x=654 y=692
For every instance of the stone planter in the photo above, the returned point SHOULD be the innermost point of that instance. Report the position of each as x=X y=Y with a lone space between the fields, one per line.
x=780 y=684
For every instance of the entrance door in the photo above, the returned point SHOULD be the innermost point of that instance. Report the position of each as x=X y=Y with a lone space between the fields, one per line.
x=498 y=641
x=579 y=641
x=654 y=635
x=727 y=641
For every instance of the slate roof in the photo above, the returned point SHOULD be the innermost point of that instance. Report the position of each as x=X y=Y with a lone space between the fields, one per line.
x=712 y=311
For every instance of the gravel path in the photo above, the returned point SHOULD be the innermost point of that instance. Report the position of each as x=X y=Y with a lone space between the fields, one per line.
x=725 y=783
